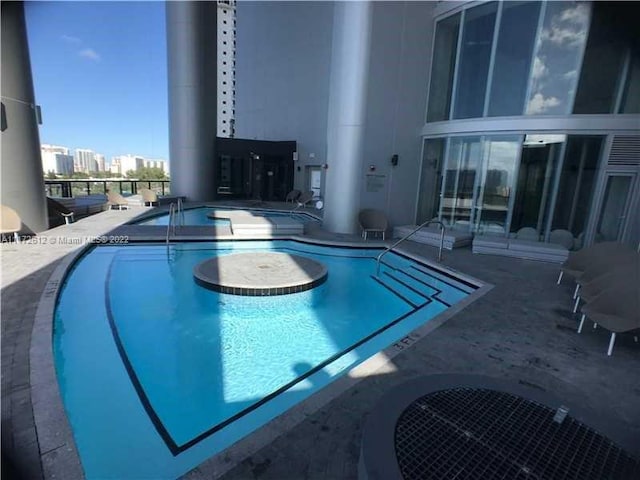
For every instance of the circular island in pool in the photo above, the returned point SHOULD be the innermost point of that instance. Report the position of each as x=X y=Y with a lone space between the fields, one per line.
x=260 y=274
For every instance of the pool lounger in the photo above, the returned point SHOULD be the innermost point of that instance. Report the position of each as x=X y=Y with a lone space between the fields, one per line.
x=525 y=249
x=431 y=236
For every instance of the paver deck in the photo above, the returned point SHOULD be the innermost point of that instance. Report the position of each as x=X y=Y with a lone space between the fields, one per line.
x=522 y=330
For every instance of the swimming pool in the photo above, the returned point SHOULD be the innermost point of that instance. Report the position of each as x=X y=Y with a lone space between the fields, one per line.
x=198 y=216
x=158 y=373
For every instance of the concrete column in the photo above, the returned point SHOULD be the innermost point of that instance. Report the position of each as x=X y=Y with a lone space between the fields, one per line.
x=192 y=73
x=346 y=116
x=22 y=181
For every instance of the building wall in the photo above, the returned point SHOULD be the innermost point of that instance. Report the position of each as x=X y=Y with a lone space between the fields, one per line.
x=226 y=67
x=396 y=100
x=282 y=84
x=282 y=76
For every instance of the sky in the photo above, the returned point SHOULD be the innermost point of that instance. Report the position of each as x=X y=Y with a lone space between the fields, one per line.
x=100 y=75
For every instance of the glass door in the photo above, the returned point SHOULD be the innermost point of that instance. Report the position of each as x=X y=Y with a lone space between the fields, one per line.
x=614 y=209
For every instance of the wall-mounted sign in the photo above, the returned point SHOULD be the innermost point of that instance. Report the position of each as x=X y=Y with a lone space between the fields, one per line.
x=375 y=183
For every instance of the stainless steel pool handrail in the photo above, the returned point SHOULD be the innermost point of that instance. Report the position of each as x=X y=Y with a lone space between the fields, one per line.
x=180 y=211
x=388 y=249
x=172 y=208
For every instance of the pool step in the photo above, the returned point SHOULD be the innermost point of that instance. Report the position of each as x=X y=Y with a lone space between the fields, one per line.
x=410 y=294
x=446 y=291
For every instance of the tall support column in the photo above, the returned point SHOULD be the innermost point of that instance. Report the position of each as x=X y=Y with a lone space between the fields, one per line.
x=346 y=115
x=192 y=72
x=22 y=181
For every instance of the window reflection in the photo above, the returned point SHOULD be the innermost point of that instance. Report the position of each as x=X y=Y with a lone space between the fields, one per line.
x=457 y=200
x=540 y=155
x=430 y=179
x=577 y=180
x=557 y=58
x=442 y=68
x=513 y=56
x=496 y=184
x=475 y=53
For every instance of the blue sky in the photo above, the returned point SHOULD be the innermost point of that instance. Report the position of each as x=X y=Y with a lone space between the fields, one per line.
x=100 y=75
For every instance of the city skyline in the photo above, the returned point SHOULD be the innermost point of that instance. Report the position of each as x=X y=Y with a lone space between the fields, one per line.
x=99 y=72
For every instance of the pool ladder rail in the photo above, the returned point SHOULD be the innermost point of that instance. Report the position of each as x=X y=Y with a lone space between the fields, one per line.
x=388 y=249
x=176 y=214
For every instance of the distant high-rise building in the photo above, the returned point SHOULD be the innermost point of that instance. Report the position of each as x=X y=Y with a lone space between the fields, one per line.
x=100 y=162
x=130 y=162
x=157 y=163
x=226 y=67
x=85 y=160
x=114 y=167
x=49 y=153
x=64 y=164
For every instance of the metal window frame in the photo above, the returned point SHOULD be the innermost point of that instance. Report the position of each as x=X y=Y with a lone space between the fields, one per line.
x=534 y=54
x=492 y=59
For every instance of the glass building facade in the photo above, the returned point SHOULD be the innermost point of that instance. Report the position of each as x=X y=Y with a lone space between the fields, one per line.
x=530 y=120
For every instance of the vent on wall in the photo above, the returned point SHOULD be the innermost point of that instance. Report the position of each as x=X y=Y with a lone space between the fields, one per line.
x=625 y=150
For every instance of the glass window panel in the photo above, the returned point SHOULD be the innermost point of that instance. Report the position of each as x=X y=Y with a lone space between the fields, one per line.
x=555 y=65
x=513 y=57
x=444 y=59
x=631 y=96
x=603 y=61
x=614 y=206
x=496 y=184
x=577 y=180
x=457 y=196
x=475 y=53
x=430 y=179
x=540 y=155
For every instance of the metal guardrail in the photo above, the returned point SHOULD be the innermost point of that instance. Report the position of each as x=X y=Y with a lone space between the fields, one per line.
x=388 y=249
x=65 y=188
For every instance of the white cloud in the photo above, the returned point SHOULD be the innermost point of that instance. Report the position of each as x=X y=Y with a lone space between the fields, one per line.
x=539 y=68
x=568 y=28
x=71 y=39
x=570 y=75
x=89 y=54
x=540 y=104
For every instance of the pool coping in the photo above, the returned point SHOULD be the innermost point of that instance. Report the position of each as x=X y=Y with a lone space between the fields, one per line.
x=58 y=451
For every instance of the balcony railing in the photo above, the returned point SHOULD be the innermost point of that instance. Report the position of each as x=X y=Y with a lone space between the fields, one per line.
x=92 y=186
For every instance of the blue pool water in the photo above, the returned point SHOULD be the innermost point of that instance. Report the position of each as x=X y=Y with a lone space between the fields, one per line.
x=198 y=216
x=157 y=373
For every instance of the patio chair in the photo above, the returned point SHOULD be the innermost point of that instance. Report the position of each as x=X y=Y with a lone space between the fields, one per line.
x=60 y=209
x=562 y=237
x=528 y=233
x=603 y=265
x=579 y=260
x=371 y=220
x=616 y=309
x=117 y=200
x=148 y=197
x=292 y=196
x=10 y=222
x=618 y=276
x=304 y=198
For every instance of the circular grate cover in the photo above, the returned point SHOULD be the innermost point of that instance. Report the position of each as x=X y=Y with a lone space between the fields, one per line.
x=471 y=433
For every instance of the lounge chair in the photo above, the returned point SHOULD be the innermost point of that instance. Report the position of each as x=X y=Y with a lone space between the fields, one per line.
x=10 y=222
x=578 y=261
x=616 y=309
x=619 y=261
x=60 y=209
x=304 y=198
x=148 y=197
x=371 y=220
x=619 y=275
x=292 y=196
x=117 y=200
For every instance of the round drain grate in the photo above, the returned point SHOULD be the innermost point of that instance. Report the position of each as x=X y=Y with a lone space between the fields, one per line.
x=474 y=433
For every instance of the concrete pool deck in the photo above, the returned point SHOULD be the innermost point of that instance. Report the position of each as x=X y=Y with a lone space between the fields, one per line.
x=521 y=330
